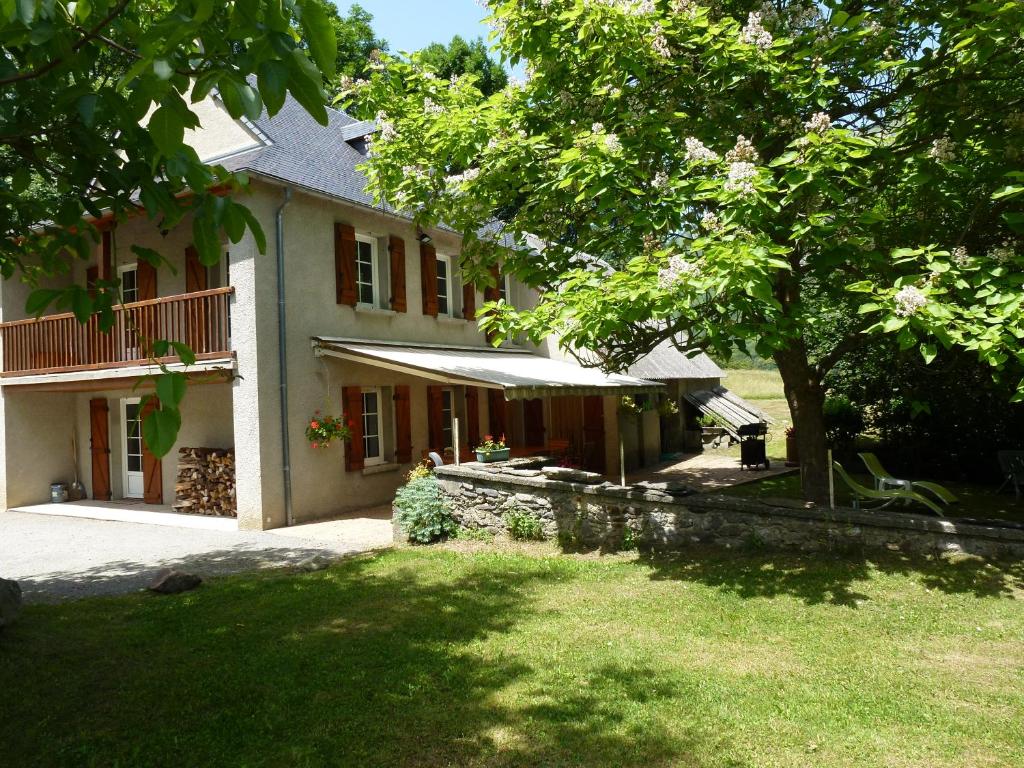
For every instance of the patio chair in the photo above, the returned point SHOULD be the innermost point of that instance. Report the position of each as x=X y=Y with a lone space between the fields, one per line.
x=886 y=496
x=885 y=480
x=1011 y=465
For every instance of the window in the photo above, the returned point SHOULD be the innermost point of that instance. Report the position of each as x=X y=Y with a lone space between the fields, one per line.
x=367 y=279
x=129 y=283
x=372 y=450
x=447 y=415
x=503 y=287
x=444 y=286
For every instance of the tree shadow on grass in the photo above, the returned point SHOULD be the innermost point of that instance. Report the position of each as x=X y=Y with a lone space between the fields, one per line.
x=832 y=577
x=358 y=665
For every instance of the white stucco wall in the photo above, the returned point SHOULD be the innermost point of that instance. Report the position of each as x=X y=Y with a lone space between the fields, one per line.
x=36 y=446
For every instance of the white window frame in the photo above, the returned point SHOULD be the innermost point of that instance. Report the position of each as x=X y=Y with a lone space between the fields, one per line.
x=449 y=425
x=369 y=461
x=122 y=270
x=443 y=257
x=375 y=277
x=125 y=402
x=505 y=288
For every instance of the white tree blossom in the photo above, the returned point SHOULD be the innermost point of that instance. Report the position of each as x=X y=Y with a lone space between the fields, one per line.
x=755 y=34
x=697 y=153
x=909 y=300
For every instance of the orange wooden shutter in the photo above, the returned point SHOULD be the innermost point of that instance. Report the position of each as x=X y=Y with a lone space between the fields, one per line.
x=435 y=418
x=473 y=416
x=493 y=294
x=152 y=467
x=99 y=424
x=105 y=260
x=345 y=264
x=469 y=301
x=403 y=425
x=352 y=400
x=428 y=278
x=396 y=247
x=145 y=277
x=195 y=272
x=496 y=408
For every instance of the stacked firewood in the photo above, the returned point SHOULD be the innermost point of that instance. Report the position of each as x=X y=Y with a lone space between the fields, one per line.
x=206 y=482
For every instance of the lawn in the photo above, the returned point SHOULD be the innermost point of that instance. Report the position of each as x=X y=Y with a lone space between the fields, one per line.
x=763 y=388
x=481 y=656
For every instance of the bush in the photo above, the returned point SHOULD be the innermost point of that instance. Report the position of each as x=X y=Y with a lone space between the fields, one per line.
x=843 y=421
x=523 y=525
x=422 y=513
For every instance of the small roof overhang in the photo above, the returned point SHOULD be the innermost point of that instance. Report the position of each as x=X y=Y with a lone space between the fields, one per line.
x=520 y=374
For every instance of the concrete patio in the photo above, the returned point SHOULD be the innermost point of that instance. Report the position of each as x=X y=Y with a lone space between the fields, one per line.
x=711 y=470
x=57 y=557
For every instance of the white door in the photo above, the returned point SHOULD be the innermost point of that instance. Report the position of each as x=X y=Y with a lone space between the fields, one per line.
x=131 y=444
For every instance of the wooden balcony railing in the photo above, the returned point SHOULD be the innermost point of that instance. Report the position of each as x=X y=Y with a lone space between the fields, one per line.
x=59 y=343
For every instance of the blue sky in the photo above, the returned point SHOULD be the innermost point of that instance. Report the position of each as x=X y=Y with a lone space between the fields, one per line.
x=409 y=25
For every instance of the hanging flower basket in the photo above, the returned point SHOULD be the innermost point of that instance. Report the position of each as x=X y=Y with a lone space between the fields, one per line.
x=321 y=431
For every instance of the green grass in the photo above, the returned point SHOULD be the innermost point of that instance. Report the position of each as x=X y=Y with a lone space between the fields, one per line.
x=434 y=657
x=754 y=384
x=976 y=501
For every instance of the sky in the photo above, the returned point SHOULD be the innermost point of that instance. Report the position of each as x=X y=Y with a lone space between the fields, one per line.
x=409 y=25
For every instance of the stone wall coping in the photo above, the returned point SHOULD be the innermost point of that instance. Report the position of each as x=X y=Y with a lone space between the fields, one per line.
x=706 y=502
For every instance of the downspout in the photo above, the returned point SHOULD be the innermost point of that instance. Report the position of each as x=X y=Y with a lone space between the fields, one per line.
x=282 y=361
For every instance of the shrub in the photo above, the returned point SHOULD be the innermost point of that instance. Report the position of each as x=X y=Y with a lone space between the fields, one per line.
x=420 y=470
x=843 y=421
x=523 y=525
x=422 y=513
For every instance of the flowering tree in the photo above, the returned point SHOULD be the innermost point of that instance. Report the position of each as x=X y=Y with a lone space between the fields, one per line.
x=804 y=175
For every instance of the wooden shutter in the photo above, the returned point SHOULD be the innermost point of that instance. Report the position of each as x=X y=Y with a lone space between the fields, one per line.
x=493 y=294
x=435 y=418
x=106 y=258
x=428 y=278
x=152 y=467
x=100 y=447
x=396 y=248
x=469 y=301
x=403 y=425
x=345 y=265
x=195 y=273
x=533 y=418
x=145 y=281
x=352 y=401
x=496 y=410
x=593 y=433
x=473 y=416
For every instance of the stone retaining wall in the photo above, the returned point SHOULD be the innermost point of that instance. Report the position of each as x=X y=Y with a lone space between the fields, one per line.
x=589 y=516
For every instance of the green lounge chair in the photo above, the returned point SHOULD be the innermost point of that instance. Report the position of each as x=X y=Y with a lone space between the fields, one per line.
x=886 y=496
x=885 y=480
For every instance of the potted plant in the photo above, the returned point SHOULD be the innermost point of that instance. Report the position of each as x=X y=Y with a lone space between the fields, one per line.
x=710 y=429
x=792 y=453
x=492 y=450
x=321 y=431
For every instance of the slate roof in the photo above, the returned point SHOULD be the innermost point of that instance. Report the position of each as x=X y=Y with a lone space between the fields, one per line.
x=309 y=155
x=666 y=362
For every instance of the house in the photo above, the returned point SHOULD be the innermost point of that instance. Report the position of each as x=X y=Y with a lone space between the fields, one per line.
x=350 y=311
x=676 y=430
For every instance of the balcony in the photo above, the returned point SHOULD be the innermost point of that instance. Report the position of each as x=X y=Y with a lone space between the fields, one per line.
x=60 y=344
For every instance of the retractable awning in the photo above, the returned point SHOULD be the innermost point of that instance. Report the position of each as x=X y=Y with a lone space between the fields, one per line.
x=520 y=374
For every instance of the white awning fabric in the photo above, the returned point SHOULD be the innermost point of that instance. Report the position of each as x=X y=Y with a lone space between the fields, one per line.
x=520 y=374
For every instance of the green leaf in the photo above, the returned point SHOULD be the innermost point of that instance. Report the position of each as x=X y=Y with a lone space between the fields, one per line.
x=148 y=255
x=234 y=221
x=170 y=388
x=184 y=352
x=81 y=304
x=167 y=129
x=86 y=106
x=163 y=69
x=160 y=429
x=323 y=44
x=255 y=228
x=304 y=82
x=272 y=81
x=39 y=300
x=206 y=241
x=929 y=352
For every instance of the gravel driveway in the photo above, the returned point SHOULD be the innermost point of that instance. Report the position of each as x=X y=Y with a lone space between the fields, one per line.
x=58 y=558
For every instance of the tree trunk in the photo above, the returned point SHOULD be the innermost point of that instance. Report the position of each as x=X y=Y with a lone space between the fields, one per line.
x=806 y=398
